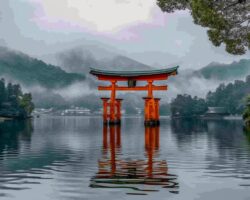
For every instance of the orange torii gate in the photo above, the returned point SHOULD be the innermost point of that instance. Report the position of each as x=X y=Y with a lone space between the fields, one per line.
x=112 y=105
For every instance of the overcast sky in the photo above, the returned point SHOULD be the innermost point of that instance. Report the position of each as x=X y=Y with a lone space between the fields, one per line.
x=136 y=28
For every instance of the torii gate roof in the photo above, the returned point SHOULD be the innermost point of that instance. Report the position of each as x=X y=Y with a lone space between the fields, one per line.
x=159 y=74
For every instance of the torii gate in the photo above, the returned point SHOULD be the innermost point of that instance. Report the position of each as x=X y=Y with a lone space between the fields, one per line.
x=112 y=105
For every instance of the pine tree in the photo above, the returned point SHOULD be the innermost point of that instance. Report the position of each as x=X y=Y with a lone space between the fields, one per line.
x=227 y=21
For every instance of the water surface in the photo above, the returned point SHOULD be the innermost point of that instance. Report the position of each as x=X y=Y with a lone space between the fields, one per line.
x=78 y=158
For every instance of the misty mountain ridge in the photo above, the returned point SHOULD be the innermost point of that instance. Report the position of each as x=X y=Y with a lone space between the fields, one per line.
x=225 y=72
x=81 y=59
x=28 y=71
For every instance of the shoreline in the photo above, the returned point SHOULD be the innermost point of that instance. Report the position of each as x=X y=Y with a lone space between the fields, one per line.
x=228 y=117
x=2 y=119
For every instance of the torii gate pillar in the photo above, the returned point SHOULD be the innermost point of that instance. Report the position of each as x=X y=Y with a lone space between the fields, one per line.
x=151 y=111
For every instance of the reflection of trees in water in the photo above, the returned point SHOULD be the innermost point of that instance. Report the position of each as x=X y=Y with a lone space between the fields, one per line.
x=12 y=133
x=133 y=174
x=232 y=150
x=188 y=126
x=226 y=133
x=21 y=165
x=246 y=130
x=16 y=136
x=185 y=129
x=228 y=152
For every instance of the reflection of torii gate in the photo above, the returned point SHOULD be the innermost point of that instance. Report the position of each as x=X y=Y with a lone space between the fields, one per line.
x=140 y=175
x=112 y=105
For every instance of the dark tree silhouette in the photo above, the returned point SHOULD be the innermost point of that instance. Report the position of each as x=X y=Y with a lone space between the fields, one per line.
x=13 y=103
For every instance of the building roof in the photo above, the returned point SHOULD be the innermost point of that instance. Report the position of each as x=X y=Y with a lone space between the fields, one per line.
x=216 y=110
x=131 y=74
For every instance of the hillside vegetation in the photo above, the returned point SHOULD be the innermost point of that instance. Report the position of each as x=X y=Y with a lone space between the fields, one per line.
x=29 y=71
x=13 y=102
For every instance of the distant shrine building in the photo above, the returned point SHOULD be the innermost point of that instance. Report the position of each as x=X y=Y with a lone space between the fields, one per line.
x=112 y=105
x=216 y=113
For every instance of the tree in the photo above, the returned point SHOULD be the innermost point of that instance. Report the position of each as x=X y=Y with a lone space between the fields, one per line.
x=16 y=104
x=9 y=91
x=228 y=21
x=2 y=91
x=26 y=103
x=187 y=106
x=17 y=91
x=246 y=114
x=230 y=96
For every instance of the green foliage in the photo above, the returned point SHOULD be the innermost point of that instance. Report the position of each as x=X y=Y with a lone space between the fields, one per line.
x=215 y=37
x=234 y=46
x=205 y=15
x=248 y=40
x=187 y=106
x=172 y=5
x=13 y=103
x=31 y=71
x=230 y=96
x=2 y=91
x=26 y=103
x=227 y=20
x=246 y=114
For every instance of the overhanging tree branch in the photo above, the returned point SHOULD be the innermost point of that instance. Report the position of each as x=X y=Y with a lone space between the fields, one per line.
x=227 y=20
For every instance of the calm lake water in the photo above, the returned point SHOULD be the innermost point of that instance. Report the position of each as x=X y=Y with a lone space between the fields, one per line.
x=77 y=158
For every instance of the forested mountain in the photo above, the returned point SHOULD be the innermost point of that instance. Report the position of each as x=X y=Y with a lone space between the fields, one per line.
x=233 y=71
x=29 y=71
